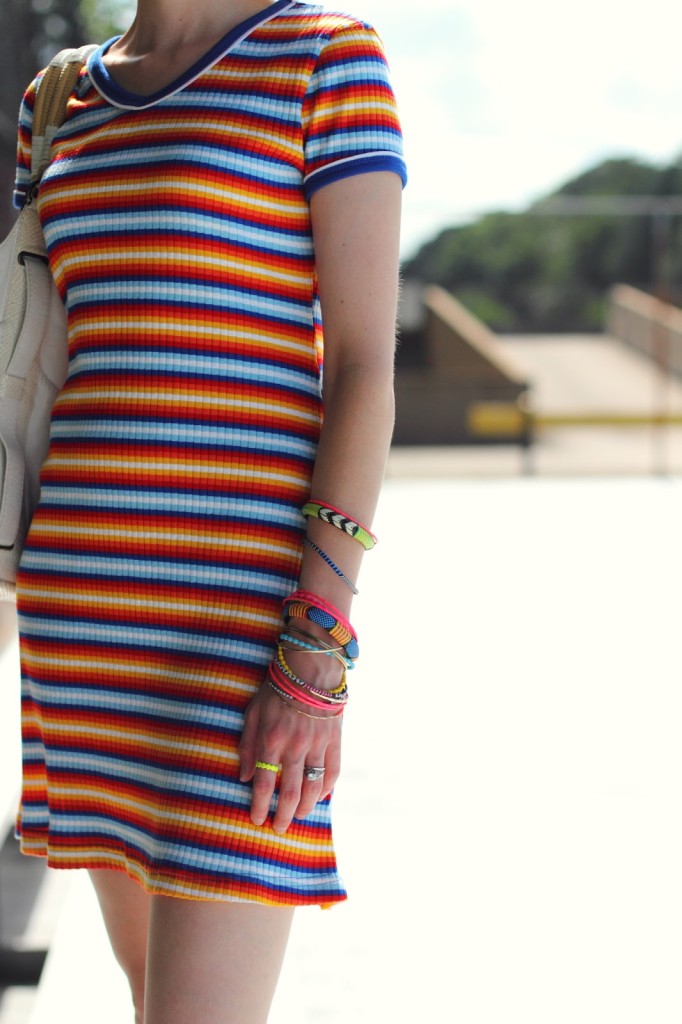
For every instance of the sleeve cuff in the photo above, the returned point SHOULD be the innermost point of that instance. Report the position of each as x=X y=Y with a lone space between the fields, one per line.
x=354 y=165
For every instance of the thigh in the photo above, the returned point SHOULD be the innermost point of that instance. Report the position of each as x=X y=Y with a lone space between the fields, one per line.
x=217 y=962
x=125 y=908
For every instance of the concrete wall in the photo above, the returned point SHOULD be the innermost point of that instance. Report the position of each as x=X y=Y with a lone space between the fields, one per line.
x=463 y=366
x=651 y=326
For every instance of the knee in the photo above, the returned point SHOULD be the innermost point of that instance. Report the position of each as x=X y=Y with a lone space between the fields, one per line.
x=136 y=983
x=135 y=973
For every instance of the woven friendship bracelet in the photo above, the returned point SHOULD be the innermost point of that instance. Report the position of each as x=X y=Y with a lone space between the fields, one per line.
x=332 y=565
x=305 y=610
x=323 y=605
x=335 y=517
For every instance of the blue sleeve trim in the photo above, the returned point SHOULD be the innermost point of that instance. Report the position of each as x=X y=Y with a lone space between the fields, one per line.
x=19 y=197
x=354 y=165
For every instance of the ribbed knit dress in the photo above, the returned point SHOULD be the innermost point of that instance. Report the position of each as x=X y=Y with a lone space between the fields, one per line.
x=182 y=444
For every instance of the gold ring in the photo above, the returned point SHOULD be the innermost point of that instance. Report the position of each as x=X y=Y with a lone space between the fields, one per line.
x=267 y=767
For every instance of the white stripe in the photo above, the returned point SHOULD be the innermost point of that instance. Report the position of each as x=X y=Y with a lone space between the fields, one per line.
x=189 y=294
x=353 y=159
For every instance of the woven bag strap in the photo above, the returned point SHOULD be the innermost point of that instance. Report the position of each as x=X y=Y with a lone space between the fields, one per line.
x=49 y=112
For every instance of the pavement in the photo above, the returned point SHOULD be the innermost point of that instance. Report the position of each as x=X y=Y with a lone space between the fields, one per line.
x=575 y=377
x=508 y=820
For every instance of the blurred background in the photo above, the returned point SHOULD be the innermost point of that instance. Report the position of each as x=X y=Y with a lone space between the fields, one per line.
x=523 y=862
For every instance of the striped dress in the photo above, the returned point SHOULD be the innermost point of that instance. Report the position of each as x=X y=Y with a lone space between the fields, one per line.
x=169 y=525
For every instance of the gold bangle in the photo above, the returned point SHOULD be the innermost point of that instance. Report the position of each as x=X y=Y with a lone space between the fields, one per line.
x=320 y=718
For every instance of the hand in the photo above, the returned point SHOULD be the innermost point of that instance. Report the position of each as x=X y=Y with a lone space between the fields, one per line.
x=277 y=734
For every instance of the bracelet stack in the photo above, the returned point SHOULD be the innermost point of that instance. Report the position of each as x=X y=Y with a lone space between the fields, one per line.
x=303 y=606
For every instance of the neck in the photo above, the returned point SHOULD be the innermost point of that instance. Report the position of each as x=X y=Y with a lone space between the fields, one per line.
x=169 y=24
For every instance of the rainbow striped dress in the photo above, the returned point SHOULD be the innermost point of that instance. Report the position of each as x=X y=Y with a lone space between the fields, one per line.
x=182 y=443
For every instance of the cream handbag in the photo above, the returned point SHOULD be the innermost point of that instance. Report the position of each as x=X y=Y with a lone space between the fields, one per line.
x=33 y=347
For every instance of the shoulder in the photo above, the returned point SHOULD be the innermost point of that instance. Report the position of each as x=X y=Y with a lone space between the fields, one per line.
x=315 y=20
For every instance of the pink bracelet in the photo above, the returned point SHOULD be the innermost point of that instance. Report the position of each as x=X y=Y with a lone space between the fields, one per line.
x=298 y=689
x=285 y=688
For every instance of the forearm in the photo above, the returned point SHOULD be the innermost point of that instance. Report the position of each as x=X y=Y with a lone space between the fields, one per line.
x=349 y=468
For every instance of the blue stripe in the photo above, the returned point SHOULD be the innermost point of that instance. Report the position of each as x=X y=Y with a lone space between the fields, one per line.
x=340 y=171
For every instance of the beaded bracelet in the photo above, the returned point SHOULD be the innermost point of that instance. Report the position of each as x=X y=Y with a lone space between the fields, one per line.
x=319 y=647
x=339 y=695
x=335 y=517
x=283 y=664
x=291 y=690
x=323 y=605
x=278 y=693
x=304 y=605
x=332 y=565
x=304 y=692
x=288 y=688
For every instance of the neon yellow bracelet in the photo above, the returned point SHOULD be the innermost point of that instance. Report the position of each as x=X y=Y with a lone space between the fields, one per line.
x=335 y=517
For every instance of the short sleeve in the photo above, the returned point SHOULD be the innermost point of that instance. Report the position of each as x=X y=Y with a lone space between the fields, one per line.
x=350 y=120
x=22 y=181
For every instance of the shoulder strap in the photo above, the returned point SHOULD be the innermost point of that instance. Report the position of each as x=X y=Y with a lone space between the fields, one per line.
x=49 y=112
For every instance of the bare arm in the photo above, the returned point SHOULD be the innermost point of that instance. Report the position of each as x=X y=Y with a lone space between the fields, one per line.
x=356 y=225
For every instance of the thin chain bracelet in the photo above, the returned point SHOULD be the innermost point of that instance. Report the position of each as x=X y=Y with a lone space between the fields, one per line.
x=322 y=648
x=320 y=718
x=338 y=695
x=332 y=565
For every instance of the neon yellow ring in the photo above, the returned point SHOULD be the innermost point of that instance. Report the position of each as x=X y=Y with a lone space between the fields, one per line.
x=267 y=767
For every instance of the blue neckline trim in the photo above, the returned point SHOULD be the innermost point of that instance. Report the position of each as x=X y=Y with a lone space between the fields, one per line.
x=120 y=97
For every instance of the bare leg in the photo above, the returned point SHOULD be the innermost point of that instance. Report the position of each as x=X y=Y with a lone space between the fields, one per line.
x=125 y=907
x=217 y=963
x=208 y=961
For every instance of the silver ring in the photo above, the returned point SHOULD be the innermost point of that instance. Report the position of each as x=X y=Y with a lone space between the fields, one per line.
x=312 y=774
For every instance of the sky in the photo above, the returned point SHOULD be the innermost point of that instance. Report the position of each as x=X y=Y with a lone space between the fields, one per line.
x=502 y=102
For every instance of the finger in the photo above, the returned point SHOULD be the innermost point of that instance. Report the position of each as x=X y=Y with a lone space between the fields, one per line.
x=248 y=741
x=332 y=765
x=311 y=789
x=289 y=796
x=264 y=782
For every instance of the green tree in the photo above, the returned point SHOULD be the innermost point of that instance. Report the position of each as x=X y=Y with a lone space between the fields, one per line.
x=551 y=273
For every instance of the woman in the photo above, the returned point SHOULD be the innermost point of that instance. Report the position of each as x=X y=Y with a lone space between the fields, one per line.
x=229 y=169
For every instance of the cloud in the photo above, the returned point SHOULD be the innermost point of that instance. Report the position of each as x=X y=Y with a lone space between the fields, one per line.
x=502 y=102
